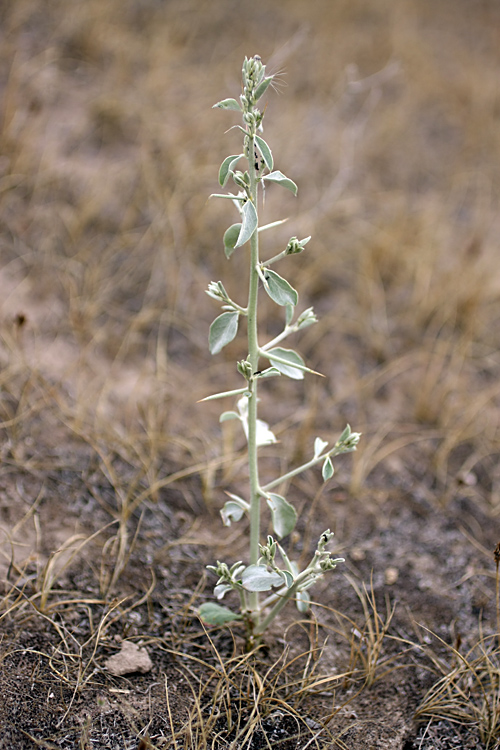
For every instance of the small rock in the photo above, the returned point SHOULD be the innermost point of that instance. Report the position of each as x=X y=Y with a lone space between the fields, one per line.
x=391 y=576
x=130 y=659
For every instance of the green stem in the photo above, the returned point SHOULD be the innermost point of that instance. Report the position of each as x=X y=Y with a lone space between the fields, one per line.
x=253 y=358
x=303 y=467
x=278 y=607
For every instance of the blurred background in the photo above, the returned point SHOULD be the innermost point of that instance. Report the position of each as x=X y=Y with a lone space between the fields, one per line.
x=386 y=115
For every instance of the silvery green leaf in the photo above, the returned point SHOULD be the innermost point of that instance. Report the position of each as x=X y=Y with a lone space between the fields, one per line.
x=327 y=469
x=263 y=435
x=262 y=87
x=228 y=104
x=222 y=331
x=289 y=314
x=231 y=512
x=345 y=434
x=319 y=445
x=303 y=601
x=279 y=289
x=215 y=614
x=307 y=318
x=284 y=515
x=227 y=167
x=231 y=238
x=265 y=151
x=282 y=180
x=259 y=578
x=222 y=589
x=249 y=224
x=291 y=358
x=227 y=415
x=268 y=373
x=287 y=577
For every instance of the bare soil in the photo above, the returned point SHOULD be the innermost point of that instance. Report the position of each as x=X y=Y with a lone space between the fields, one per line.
x=112 y=475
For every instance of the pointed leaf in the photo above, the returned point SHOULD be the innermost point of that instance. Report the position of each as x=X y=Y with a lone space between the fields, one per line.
x=319 y=444
x=262 y=87
x=279 y=289
x=265 y=151
x=231 y=238
x=249 y=225
x=228 y=415
x=227 y=167
x=222 y=331
x=284 y=515
x=327 y=470
x=228 y=104
x=345 y=434
x=282 y=180
x=259 y=578
x=290 y=356
x=215 y=614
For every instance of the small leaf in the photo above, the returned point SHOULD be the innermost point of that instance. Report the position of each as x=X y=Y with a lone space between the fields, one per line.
x=262 y=87
x=249 y=225
x=258 y=578
x=282 y=180
x=227 y=415
x=303 y=601
x=345 y=434
x=231 y=512
x=290 y=356
x=270 y=372
x=263 y=435
x=227 y=167
x=284 y=515
x=279 y=289
x=319 y=444
x=231 y=238
x=222 y=589
x=215 y=614
x=222 y=331
x=287 y=577
x=289 y=314
x=327 y=470
x=265 y=151
x=228 y=104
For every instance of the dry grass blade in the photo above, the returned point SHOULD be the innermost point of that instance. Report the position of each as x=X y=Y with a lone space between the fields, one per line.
x=468 y=690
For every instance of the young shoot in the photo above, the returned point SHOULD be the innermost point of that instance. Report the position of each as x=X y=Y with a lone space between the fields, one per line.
x=269 y=579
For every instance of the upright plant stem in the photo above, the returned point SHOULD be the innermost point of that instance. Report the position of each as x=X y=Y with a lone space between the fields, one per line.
x=253 y=357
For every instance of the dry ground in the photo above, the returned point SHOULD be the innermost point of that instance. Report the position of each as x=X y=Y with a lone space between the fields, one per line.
x=112 y=475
